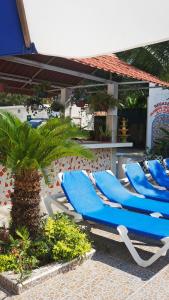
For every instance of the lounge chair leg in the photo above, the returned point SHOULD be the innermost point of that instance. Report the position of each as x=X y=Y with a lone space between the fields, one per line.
x=141 y=262
x=48 y=204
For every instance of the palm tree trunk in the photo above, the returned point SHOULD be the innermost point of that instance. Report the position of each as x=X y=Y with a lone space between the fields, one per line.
x=26 y=202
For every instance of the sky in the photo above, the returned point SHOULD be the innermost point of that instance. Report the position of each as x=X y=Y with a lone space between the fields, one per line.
x=81 y=28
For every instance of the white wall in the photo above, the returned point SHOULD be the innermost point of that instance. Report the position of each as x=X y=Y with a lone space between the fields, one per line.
x=21 y=113
x=80 y=117
x=157 y=113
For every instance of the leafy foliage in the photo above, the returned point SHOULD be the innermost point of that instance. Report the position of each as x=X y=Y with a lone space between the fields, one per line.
x=153 y=59
x=60 y=240
x=7 y=262
x=133 y=99
x=66 y=239
x=56 y=106
x=17 y=255
x=25 y=148
x=104 y=134
x=27 y=152
x=7 y=99
x=101 y=101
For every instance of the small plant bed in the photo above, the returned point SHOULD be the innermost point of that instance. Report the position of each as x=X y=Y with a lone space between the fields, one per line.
x=59 y=247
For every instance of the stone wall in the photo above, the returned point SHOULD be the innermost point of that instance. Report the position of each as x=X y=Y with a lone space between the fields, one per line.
x=102 y=161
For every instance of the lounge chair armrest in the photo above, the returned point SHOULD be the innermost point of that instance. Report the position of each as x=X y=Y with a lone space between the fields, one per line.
x=125 y=181
x=161 y=188
x=48 y=204
x=113 y=204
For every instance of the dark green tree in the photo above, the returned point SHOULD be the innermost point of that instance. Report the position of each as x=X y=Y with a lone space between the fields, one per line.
x=153 y=59
x=8 y=99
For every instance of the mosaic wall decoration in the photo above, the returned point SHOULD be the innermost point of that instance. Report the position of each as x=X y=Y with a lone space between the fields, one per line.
x=102 y=161
x=160 y=121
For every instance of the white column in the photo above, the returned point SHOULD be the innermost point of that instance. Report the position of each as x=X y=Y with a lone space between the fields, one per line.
x=65 y=94
x=148 y=127
x=111 y=121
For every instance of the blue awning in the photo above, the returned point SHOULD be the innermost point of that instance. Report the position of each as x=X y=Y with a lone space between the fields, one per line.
x=11 y=35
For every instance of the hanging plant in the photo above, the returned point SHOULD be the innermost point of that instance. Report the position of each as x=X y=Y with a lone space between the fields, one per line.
x=40 y=90
x=101 y=101
x=56 y=109
x=79 y=97
x=35 y=103
x=57 y=106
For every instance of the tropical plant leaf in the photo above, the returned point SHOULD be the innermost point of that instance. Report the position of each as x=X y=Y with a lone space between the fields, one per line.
x=23 y=147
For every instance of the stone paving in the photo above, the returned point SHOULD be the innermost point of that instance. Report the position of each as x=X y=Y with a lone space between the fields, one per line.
x=110 y=275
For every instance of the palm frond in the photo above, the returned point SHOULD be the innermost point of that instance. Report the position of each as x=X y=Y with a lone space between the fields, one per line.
x=23 y=147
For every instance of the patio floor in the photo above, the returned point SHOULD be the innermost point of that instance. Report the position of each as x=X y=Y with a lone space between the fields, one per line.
x=110 y=275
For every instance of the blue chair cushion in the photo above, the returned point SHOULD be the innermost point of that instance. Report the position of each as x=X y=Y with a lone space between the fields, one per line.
x=111 y=187
x=82 y=196
x=141 y=184
x=158 y=173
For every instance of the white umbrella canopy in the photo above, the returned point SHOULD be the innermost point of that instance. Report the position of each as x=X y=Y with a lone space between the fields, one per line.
x=81 y=28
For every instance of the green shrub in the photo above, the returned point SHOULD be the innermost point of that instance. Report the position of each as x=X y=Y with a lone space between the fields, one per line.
x=7 y=262
x=20 y=249
x=67 y=250
x=68 y=240
x=40 y=250
x=17 y=255
x=61 y=240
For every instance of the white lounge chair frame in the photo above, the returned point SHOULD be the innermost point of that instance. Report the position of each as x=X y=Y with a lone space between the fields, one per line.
x=122 y=230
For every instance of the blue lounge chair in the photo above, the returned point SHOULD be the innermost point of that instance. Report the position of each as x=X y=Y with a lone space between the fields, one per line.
x=166 y=162
x=158 y=172
x=140 y=183
x=113 y=190
x=81 y=195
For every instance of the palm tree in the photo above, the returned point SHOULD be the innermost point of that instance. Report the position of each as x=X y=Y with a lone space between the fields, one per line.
x=27 y=152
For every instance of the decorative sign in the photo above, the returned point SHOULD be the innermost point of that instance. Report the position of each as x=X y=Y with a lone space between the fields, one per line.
x=160 y=108
x=158 y=113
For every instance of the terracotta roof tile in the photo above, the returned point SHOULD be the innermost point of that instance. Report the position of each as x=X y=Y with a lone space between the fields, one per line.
x=113 y=64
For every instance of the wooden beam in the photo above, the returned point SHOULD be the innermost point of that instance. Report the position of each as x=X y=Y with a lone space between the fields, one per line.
x=23 y=80
x=132 y=82
x=37 y=72
x=26 y=80
x=84 y=86
x=18 y=80
x=24 y=24
x=48 y=67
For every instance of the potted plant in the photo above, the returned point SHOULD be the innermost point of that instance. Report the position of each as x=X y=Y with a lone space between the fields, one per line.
x=27 y=152
x=79 y=98
x=101 y=102
x=56 y=108
x=104 y=135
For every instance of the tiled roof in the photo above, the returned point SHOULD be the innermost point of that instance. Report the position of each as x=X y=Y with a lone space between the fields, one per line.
x=113 y=64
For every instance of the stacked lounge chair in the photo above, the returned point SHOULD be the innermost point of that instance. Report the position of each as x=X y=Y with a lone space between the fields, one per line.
x=158 y=172
x=115 y=192
x=82 y=196
x=142 y=185
x=166 y=162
